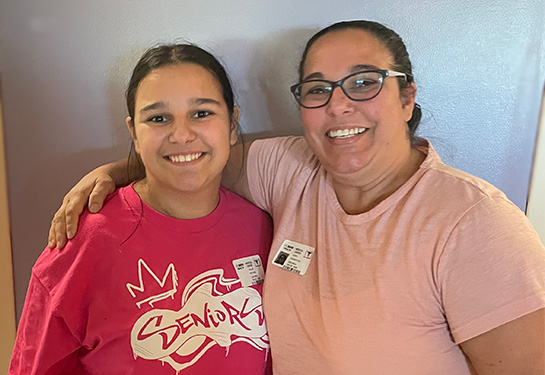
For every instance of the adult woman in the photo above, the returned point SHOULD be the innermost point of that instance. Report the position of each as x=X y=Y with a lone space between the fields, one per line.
x=378 y=258
x=147 y=288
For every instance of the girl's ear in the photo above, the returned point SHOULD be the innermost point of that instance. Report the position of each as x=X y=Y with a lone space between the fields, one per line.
x=408 y=98
x=130 y=126
x=234 y=125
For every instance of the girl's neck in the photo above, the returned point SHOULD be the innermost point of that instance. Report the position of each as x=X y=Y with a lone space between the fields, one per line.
x=178 y=204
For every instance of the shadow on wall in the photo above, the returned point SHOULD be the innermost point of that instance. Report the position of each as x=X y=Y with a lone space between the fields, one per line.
x=277 y=68
x=38 y=184
x=267 y=106
x=266 y=101
x=261 y=88
x=119 y=76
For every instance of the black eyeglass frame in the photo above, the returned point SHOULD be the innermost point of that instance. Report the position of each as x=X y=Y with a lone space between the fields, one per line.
x=383 y=72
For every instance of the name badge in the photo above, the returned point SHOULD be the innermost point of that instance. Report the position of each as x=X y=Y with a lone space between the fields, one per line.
x=293 y=257
x=249 y=270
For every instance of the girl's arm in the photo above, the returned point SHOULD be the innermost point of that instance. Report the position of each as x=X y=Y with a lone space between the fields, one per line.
x=44 y=343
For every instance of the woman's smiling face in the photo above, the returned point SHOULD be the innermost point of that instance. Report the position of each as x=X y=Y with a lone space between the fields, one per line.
x=377 y=129
x=182 y=128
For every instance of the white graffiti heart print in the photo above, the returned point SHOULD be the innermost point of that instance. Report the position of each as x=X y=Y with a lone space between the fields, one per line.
x=213 y=313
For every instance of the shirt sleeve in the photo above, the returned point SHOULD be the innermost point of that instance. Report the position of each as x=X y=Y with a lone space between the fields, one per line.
x=492 y=270
x=44 y=344
x=273 y=165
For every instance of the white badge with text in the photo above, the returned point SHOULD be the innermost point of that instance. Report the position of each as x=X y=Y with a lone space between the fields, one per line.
x=294 y=257
x=249 y=270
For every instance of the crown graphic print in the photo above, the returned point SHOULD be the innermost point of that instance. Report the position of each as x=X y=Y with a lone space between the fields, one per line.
x=215 y=311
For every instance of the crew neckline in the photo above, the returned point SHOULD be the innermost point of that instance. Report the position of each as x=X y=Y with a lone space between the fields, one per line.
x=335 y=206
x=153 y=217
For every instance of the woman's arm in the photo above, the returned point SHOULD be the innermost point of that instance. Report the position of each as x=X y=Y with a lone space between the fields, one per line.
x=514 y=348
x=234 y=175
x=93 y=188
x=492 y=282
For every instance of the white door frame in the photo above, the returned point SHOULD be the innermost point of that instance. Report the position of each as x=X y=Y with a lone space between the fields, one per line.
x=536 y=199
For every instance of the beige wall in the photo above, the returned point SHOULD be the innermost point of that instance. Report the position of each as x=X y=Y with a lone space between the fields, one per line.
x=536 y=201
x=7 y=308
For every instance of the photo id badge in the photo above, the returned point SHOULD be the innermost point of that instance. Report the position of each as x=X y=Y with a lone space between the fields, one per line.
x=294 y=257
x=249 y=270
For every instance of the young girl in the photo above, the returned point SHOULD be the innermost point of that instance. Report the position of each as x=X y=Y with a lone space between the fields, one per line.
x=167 y=279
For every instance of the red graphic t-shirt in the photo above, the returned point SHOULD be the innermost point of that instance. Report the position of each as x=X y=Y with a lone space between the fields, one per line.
x=137 y=292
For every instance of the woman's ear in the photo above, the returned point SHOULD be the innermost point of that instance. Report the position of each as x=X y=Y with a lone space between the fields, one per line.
x=235 y=118
x=408 y=98
x=130 y=126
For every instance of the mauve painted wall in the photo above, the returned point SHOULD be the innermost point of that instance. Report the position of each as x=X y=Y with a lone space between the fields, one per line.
x=479 y=67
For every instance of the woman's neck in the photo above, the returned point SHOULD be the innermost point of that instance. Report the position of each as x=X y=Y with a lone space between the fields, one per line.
x=178 y=204
x=356 y=197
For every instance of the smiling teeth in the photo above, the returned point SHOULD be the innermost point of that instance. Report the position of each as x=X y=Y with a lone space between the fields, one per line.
x=345 y=133
x=184 y=158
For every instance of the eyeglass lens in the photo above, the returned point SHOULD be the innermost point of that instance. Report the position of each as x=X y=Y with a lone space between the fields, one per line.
x=360 y=86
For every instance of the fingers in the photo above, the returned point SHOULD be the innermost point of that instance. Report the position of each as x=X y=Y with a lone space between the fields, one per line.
x=98 y=195
x=51 y=238
x=65 y=222
x=57 y=231
x=95 y=187
x=73 y=209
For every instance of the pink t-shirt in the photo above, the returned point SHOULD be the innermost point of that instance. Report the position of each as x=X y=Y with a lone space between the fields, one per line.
x=391 y=291
x=136 y=292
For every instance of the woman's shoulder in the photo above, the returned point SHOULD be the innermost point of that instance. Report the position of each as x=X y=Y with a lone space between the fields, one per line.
x=453 y=196
x=466 y=189
x=454 y=184
x=287 y=151
x=279 y=163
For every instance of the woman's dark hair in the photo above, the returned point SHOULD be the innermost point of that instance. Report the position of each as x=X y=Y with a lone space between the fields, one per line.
x=391 y=40
x=172 y=54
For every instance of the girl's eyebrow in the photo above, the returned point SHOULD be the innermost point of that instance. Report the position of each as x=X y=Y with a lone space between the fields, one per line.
x=204 y=101
x=163 y=105
x=153 y=106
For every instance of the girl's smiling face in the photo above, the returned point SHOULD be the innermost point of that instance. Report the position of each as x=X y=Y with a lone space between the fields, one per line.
x=182 y=129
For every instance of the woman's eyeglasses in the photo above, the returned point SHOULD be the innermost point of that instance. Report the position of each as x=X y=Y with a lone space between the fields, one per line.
x=359 y=86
